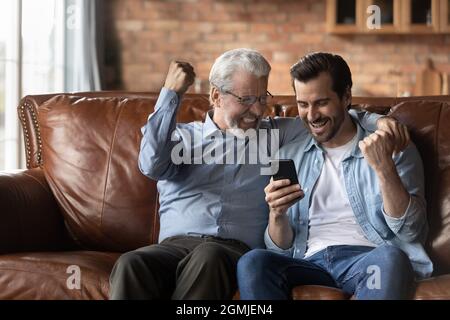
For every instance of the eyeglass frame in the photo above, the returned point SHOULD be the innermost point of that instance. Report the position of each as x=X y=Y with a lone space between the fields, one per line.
x=240 y=99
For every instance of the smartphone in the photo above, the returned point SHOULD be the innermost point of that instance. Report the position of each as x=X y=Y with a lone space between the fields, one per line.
x=286 y=170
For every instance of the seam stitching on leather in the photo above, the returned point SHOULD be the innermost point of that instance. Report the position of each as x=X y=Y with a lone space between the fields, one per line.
x=122 y=107
x=25 y=132
x=35 y=123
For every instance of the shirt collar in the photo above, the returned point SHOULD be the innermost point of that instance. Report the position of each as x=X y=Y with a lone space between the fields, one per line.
x=312 y=143
x=209 y=127
x=361 y=134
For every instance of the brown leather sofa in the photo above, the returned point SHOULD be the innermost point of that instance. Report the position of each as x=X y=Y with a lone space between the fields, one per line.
x=82 y=201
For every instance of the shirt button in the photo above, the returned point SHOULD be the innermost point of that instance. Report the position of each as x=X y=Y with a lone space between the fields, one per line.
x=305 y=189
x=173 y=101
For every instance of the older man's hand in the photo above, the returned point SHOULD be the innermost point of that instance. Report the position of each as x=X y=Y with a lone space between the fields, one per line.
x=398 y=132
x=180 y=77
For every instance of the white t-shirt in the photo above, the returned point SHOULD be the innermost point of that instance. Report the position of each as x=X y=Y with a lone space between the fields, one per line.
x=331 y=218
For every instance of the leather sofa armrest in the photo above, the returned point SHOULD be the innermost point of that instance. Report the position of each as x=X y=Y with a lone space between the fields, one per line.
x=30 y=219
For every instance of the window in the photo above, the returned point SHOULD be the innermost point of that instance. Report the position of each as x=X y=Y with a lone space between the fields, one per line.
x=31 y=62
x=9 y=84
x=46 y=46
x=42 y=46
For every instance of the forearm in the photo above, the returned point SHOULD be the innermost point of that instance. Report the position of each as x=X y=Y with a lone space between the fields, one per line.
x=156 y=143
x=395 y=196
x=280 y=231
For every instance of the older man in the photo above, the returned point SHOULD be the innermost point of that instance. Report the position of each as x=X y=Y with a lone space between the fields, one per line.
x=211 y=212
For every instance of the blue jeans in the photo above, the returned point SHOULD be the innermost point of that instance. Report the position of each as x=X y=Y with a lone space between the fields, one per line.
x=384 y=272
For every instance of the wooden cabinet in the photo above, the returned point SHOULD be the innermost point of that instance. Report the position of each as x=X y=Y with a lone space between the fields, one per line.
x=444 y=18
x=344 y=16
x=421 y=16
x=388 y=16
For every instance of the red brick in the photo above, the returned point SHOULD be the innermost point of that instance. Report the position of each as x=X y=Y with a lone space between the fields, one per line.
x=150 y=33
x=194 y=26
x=130 y=25
x=238 y=7
x=267 y=8
x=225 y=37
x=252 y=37
x=311 y=38
x=284 y=57
x=208 y=46
x=154 y=35
x=315 y=27
x=293 y=7
x=168 y=25
x=263 y=28
x=164 y=46
x=161 y=6
x=235 y=45
x=278 y=17
x=290 y=27
x=183 y=37
x=233 y=27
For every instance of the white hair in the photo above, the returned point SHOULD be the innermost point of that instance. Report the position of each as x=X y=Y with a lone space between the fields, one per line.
x=237 y=59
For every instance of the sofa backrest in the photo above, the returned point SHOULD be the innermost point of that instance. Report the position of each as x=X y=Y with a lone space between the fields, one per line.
x=430 y=130
x=88 y=144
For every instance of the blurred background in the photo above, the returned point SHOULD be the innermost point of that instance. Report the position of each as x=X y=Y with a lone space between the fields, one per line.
x=397 y=48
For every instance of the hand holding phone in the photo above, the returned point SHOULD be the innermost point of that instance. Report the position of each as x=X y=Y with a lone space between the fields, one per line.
x=281 y=193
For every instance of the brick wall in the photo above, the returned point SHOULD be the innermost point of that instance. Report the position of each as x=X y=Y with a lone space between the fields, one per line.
x=144 y=35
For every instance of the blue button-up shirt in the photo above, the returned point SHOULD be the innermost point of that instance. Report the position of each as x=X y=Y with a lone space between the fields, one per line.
x=224 y=200
x=361 y=183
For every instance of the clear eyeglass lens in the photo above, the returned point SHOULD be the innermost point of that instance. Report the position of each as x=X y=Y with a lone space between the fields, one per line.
x=250 y=100
x=263 y=100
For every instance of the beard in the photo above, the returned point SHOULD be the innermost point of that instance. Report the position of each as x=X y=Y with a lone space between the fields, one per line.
x=233 y=127
x=332 y=124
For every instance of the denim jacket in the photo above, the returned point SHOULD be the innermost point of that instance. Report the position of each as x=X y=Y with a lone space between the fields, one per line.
x=361 y=183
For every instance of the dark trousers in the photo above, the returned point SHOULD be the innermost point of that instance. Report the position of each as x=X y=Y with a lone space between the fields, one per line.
x=180 y=267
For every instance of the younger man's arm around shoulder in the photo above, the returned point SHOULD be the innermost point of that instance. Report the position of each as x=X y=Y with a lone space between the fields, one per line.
x=157 y=141
x=293 y=128
x=374 y=121
x=401 y=182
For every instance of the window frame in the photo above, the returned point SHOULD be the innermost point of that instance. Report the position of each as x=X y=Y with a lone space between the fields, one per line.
x=13 y=142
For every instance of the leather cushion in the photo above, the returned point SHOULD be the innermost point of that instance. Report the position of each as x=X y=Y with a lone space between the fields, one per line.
x=44 y=276
x=90 y=150
x=437 y=288
x=428 y=123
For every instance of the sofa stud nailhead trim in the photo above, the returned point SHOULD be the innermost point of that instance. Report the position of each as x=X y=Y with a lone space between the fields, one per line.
x=35 y=123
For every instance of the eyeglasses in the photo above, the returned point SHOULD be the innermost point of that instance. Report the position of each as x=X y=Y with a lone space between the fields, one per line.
x=251 y=100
